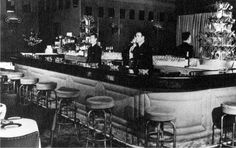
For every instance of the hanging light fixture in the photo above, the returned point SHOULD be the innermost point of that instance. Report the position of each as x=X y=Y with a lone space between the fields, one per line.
x=12 y=17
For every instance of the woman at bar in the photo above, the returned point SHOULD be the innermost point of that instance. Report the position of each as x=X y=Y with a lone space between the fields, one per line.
x=94 y=51
x=142 y=55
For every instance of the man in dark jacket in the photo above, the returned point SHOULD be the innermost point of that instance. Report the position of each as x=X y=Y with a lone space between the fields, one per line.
x=185 y=50
x=94 y=51
x=142 y=55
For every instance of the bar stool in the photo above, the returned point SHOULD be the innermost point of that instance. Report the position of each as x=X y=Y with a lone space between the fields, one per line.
x=26 y=89
x=43 y=95
x=66 y=113
x=228 y=108
x=99 y=118
x=3 y=79
x=157 y=117
x=3 y=110
x=13 y=80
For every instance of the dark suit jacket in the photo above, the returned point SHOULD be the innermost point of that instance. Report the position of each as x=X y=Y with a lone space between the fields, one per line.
x=94 y=54
x=142 y=57
x=181 y=50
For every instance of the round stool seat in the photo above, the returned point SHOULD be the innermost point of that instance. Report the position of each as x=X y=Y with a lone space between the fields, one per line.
x=159 y=114
x=65 y=92
x=100 y=102
x=229 y=108
x=14 y=75
x=46 y=85
x=28 y=81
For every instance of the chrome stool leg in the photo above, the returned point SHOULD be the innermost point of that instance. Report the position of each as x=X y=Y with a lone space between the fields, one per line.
x=99 y=116
x=233 y=134
x=41 y=101
x=53 y=128
x=213 y=134
x=105 y=128
x=159 y=133
x=66 y=114
x=158 y=128
x=110 y=127
x=93 y=119
x=88 y=124
x=56 y=100
x=25 y=93
x=221 y=130
x=20 y=94
x=174 y=134
x=146 y=133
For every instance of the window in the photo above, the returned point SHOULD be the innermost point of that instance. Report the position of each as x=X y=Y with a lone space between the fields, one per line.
x=67 y=5
x=88 y=10
x=162 y=16
x=122 y=13
x=10 y=5
x=132 y=14
x=75 y=3
x=111 y=12
x=60 y=7
x=26 y=6
x=100 y=12
x=150 y=16
x=141 y=14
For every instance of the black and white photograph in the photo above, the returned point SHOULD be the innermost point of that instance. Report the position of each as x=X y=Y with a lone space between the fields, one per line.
x=118 y=73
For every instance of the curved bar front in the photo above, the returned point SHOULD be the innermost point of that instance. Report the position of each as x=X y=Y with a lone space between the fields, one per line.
x=192 y=97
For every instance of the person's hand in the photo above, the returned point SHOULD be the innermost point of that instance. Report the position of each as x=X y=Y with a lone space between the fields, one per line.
x=132 y=47
x=134 y=40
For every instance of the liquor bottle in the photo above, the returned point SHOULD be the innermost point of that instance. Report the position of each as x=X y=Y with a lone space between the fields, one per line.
x=188 y=59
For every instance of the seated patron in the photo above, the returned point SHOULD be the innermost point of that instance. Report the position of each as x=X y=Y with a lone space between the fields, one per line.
x=185 y=50
x=94 y=51
x=141 y=55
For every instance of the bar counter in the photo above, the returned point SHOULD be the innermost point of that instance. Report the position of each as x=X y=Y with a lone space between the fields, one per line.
x=193 y=95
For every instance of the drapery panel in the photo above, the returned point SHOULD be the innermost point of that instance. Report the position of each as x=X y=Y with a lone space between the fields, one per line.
x=193 y=23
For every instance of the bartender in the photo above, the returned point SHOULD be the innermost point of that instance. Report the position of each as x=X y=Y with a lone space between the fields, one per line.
x=94 y=51
x=141 y=55
x=185 y=50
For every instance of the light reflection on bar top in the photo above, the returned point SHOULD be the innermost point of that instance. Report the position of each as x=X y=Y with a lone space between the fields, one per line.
x=88 y=65
x=213 y=72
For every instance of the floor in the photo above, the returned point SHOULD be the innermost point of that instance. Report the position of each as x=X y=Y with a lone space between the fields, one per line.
x=68 y=137
x=44 y=117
